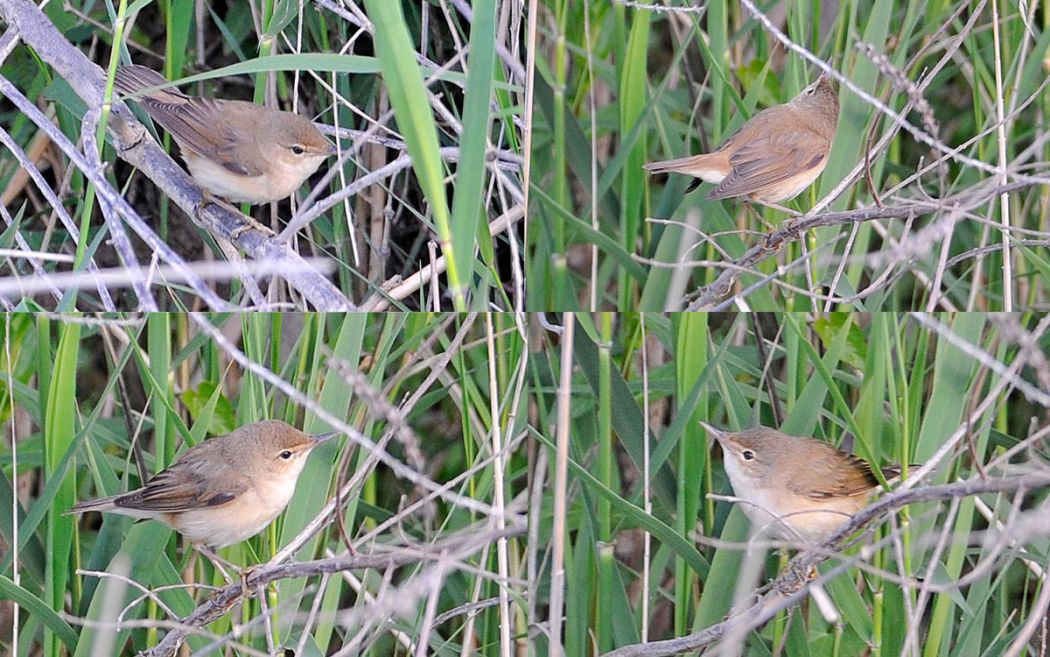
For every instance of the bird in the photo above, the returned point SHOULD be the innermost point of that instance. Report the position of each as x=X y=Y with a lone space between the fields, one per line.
x=222 y=490
x=236 y=150
x=795 y=487
x=775 y=155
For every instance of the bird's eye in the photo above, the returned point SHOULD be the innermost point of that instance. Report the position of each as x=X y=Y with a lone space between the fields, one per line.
x=286 y=454
x=748 y=455
x=297 y=149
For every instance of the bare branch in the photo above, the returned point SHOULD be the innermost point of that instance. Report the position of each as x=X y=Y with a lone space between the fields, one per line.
x=14 y=287
x=794 y=229
x=466 y=542
x=134 y=145
x=792 y=586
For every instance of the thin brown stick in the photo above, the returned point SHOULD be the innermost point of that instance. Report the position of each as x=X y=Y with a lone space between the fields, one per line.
x=466 y=542
x=794 y=229
x=791 y=586
x=133 y=145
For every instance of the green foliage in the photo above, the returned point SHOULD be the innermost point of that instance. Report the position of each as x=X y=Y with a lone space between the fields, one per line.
x=618 y=86
x=886 y=387
x=452 y=135
x=82 y=386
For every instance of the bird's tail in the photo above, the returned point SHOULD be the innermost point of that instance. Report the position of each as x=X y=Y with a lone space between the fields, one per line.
x=101 y=504
x=678 y=164
x=711 y=167
x=134 y=78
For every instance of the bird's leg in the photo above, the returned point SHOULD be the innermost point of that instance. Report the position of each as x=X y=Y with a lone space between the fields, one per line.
x=218 y=562
x=777 y=206
x=752 y=209
x=211 y=199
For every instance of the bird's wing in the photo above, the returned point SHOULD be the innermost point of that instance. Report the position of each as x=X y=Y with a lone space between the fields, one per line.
x=187 y=485
x=763 y=162
x=860 y=479
x=191 y=121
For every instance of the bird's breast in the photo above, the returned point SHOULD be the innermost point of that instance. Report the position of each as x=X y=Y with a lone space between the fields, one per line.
x=278 y=181
x=240 y=519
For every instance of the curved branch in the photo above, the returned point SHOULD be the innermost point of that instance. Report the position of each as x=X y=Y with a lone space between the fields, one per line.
x=790 y=587
x=467 y=542
x=793 y=229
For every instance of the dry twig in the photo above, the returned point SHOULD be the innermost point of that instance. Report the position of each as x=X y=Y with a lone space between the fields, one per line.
x=792 y=586
x=794 y=229
x=465 y=543
x=134 y=145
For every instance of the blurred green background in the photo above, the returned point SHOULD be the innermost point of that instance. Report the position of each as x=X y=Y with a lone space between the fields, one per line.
x=91 y=400
x=889 y=388
x=622 y=84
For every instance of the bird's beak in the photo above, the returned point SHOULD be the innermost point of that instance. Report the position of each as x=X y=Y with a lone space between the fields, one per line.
x=332 y=149
x=321 y=437
x=715 y=432
x=826 y=79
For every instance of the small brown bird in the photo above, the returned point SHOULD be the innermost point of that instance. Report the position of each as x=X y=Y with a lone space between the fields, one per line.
x=222 y=490
x=795 y=487
x=238 y=150
x=775 y=155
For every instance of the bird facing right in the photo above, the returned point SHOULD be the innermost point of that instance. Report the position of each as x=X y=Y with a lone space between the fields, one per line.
x=222 y=490
x=234 y=149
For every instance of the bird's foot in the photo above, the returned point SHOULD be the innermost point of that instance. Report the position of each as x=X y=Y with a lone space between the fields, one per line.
x=219 y=562
x=245 y=573
x=252 y=224
x=777 y=206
